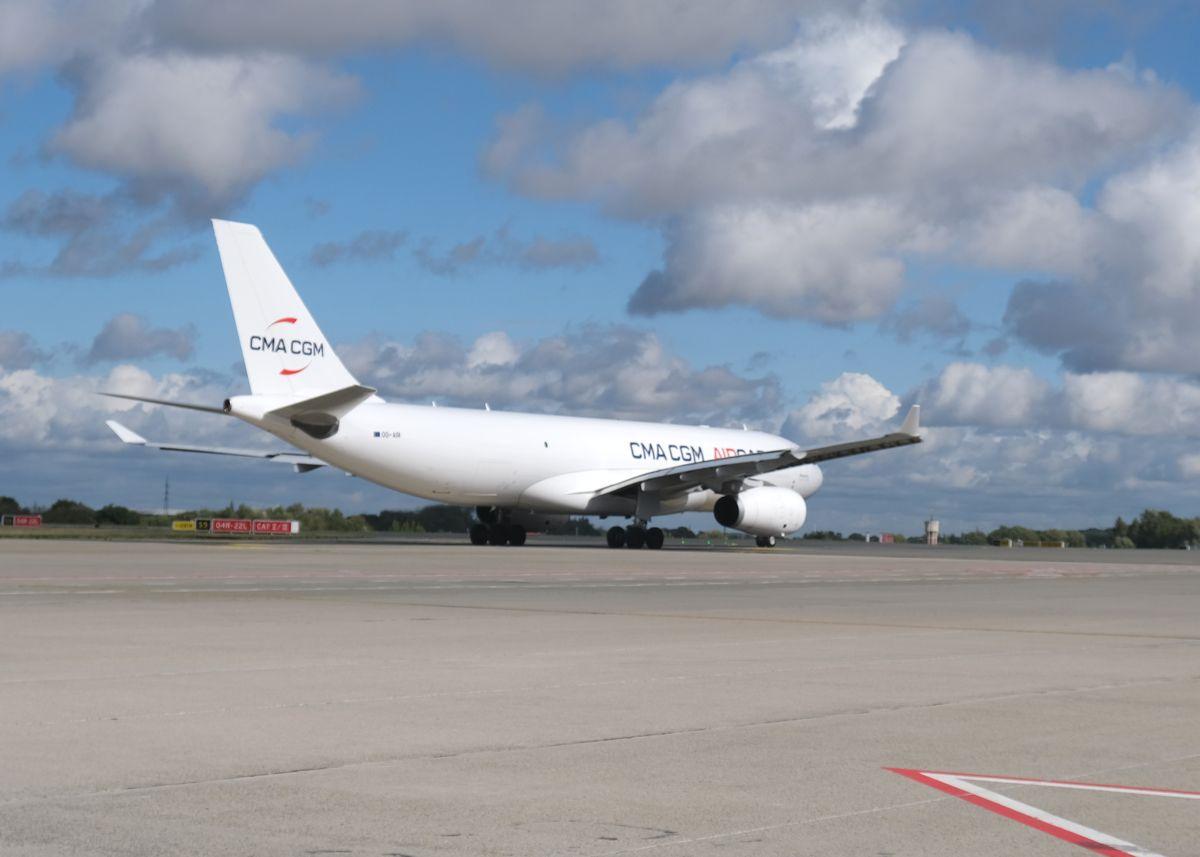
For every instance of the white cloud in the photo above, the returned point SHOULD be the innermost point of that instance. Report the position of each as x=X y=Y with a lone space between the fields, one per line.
x=973 y=394
x=56 y=444
x=835 y=63
x=1038 y=227
x=204 y=127
x=45 y=412
x=830 y=263
x=945 y=122
x=1123 y=403
x=1160 y=200
x=1133 y=306
x=1044 y=472
x=612 y=371
x=492 y=349
x=818 y=171
x=846 y=407
x=1134 y=404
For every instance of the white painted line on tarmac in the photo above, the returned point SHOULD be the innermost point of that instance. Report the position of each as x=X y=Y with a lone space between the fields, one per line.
x=967 y=787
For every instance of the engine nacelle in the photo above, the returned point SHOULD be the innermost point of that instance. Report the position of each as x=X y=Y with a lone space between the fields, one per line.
x=764 y=511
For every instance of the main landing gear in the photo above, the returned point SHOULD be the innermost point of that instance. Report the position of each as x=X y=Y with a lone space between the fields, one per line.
x=635 y=537
x=498 y=533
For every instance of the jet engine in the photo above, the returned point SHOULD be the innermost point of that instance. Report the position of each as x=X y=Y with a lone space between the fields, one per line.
x=763 y=511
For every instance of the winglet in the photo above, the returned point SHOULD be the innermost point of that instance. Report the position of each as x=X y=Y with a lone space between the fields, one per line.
x=125 y=434
x=912 y=422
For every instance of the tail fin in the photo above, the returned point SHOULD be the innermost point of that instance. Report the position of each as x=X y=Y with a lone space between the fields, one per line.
x=284 y=350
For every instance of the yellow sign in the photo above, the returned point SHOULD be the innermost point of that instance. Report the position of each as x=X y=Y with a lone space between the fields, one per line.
x=183 y=526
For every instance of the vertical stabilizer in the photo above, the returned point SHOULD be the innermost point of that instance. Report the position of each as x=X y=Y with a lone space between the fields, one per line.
x=284 y=349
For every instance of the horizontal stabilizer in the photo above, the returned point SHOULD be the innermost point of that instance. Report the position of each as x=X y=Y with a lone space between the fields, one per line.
x=304 y=463
x=126 y=435
x=189 y=405
x=337 y=402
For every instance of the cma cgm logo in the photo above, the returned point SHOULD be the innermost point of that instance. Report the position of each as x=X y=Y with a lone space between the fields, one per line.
x=279 y=343
x=681 y=452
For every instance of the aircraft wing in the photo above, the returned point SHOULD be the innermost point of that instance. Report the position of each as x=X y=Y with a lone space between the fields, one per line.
x=715 y=474
x=303 y=463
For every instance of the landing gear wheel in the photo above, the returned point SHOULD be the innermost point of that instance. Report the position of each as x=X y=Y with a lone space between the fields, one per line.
x=765 y=541
x=635 y=537
x=516 y=535
x=497 y=534
x=616 y=537
x=479 y=534
x=654 y=538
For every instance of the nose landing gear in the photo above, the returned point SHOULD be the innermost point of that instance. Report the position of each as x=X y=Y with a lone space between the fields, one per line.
x=765 y=541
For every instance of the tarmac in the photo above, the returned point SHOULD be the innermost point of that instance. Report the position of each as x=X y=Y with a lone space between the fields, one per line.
x=277 y=698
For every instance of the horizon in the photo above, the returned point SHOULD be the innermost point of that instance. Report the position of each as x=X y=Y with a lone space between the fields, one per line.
x=696 y=521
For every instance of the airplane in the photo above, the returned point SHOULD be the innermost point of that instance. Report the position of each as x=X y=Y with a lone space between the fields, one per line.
x=516 y=469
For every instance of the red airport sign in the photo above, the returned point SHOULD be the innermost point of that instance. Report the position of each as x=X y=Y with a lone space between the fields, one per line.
x=276 y=527
x=246 y=526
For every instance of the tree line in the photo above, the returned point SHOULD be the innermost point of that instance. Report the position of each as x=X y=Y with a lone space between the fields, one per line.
x=1153 y=528
x=428 y=519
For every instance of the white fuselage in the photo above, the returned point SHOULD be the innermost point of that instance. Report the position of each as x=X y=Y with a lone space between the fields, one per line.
x=521 y=461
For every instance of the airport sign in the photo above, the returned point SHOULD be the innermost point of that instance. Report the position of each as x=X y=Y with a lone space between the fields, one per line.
x=277 y=527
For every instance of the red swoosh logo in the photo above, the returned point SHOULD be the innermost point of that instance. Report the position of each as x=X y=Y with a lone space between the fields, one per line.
x=288 y=319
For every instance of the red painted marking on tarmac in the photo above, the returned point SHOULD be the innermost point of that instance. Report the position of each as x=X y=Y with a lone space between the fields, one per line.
x=1015 y=815
x=972 y=789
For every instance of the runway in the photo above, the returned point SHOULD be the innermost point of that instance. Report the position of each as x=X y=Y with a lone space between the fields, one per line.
x=441 y=699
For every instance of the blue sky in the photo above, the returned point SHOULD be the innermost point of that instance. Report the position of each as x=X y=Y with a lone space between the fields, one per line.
x=840 y=201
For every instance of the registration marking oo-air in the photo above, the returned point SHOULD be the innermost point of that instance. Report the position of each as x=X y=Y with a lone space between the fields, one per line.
x=967 y=787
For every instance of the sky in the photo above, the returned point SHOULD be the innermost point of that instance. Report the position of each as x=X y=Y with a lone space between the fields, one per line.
x=801 y=215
